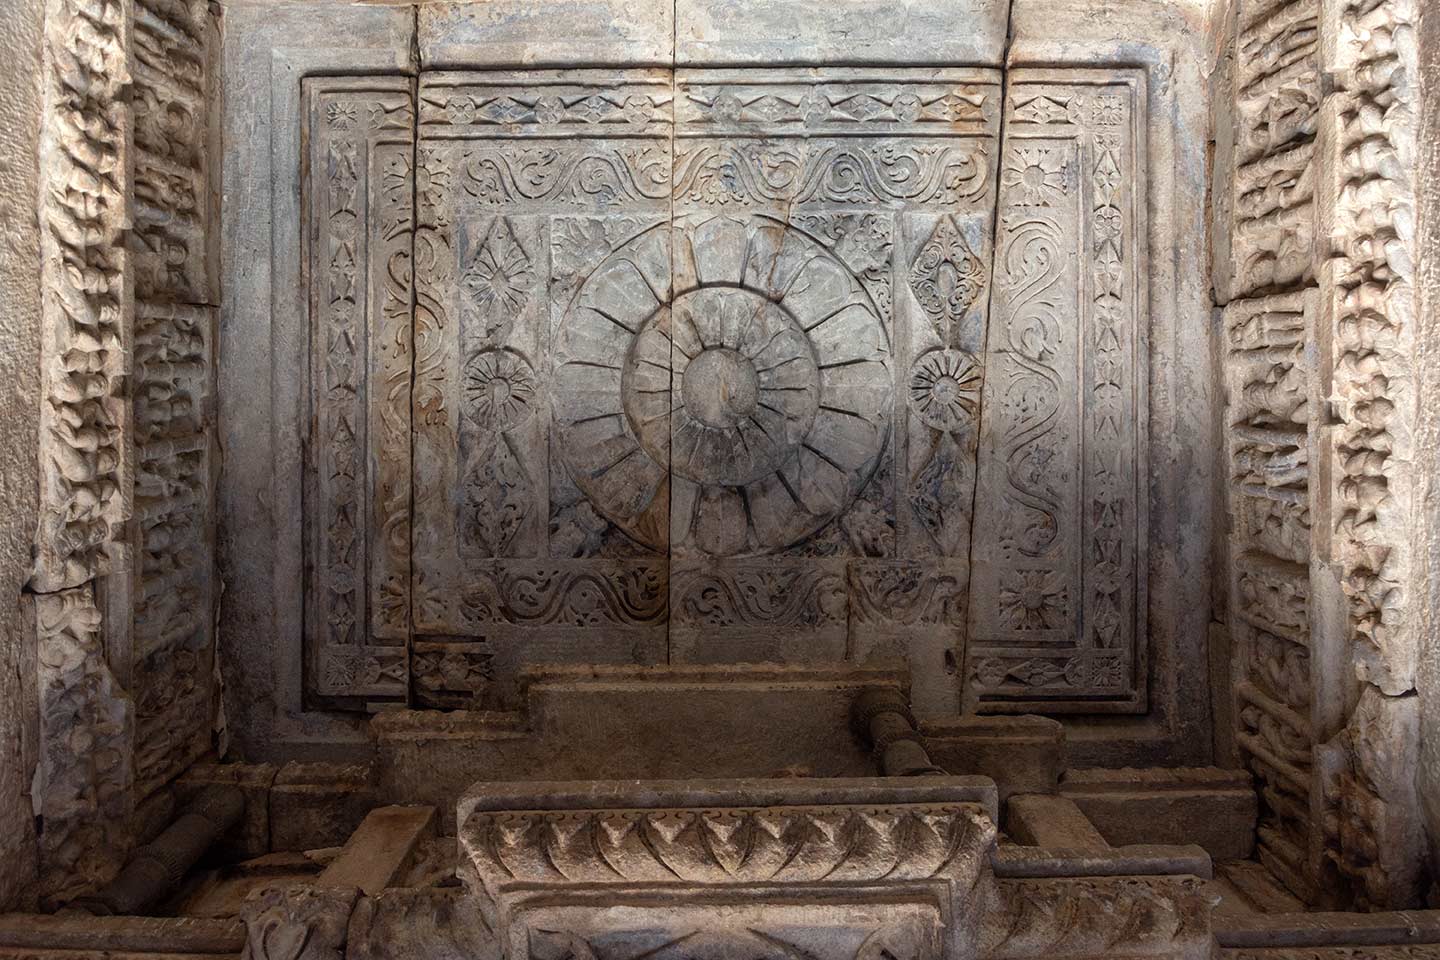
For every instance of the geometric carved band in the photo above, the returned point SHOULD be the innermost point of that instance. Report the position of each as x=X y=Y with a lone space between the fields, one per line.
x=802 y=844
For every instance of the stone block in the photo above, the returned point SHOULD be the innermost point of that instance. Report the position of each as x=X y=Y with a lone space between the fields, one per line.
x=518 y=33
x=433 y=924
x=812 y=31
x=318 y=804
x=1141 y=860
x=1258 y=935
x=1042 y=820
x=1208 y=806
x=1021 y=754
x=1253 y=889
x=381 y=849
x=1093 y=916
x=882 y=866
x=298 y=922
x=251 y=836
x=634 y=722
x=66 y=935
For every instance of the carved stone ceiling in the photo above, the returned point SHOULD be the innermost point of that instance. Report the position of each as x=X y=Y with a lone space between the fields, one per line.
x=726 y=366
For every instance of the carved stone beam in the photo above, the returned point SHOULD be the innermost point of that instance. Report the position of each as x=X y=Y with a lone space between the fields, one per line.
x=882 y=715
x=825 y=867
x=158 y=867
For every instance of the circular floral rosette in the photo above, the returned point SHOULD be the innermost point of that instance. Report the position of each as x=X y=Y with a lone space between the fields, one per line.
x=499 y=388
x=739 y=414
x=945 y=389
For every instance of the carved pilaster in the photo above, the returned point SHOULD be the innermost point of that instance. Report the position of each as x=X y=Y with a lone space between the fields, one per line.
x=126 y=461
x=84 y=781
x=1321 y=438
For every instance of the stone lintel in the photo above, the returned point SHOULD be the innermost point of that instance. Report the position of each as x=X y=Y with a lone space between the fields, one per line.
x=556 y=796
x=814 y=866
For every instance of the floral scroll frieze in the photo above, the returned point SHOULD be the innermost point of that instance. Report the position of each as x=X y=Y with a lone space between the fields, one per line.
x=360 y=207
x=1058 y=607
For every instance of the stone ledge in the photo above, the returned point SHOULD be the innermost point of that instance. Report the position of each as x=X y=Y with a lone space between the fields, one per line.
x=1322 y=929
x=155 y=935
x=1011 y=861
x=1022 y=754
x=1208 y=806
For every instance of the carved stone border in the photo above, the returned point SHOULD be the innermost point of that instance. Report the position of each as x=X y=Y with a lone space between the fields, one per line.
x=584 y=850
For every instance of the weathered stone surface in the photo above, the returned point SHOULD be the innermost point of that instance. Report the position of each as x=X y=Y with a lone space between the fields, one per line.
x=1250 y=888
x=1321 y=368
x=123 y=546
x=71 y=936
x=20 y=115
x=1373 y=827
x=1022 y=754
x=568 y=865
x=586 y=468
x=584 y=723
x=85 y=795
x=1427 y=534
x=1059 y=596
x=269 y=47
x=434 y=924
x=1168 y=42
x=1210 y=807
x=514 y=33
x=251 y=836
x=1040 y=820
x=318 y=804
x=358 y=207
x=1012 y=861
x=730 y=32
x=1113 y=916
x=757 y=338
x=381 y=849
x=298 y=923
x=1297 y=930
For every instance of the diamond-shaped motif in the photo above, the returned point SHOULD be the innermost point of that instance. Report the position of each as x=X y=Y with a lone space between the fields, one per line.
x=947 y=276
x=497 y=281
